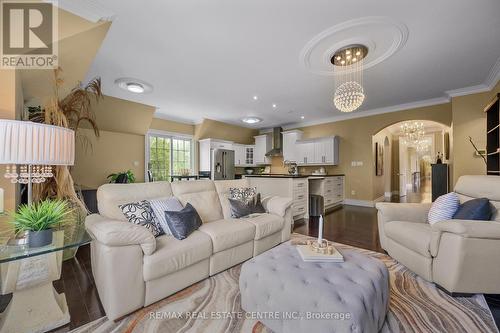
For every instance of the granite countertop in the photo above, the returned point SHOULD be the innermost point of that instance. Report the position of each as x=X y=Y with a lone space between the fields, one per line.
x=276 y=175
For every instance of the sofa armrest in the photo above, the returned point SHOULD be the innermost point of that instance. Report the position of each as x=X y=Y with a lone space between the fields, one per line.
x=119 y=233
x=276 y=205
x=470 y=228
x=410 y=212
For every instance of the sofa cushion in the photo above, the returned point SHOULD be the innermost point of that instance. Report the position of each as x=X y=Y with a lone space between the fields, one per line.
x=265 y=224
x=110 y=196
x=172 y=255
x=202 y=196
x=222 y=187
x=443 y=208
x=475 y=209
x=226 y=234
x=245 y=207
x=161 y=205
x=414 y=236
x=182 y=223
x=142 y=214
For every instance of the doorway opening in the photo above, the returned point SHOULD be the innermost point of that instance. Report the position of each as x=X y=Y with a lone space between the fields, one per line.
x=409 y=150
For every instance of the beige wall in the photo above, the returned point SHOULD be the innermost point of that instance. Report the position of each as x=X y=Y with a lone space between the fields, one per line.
x=469 y=120
x=356 y=145
x=171 y=126
x=110 y=153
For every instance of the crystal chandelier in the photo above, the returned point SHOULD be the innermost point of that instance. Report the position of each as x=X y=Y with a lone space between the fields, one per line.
x=413 y=131
x=36 y=174
x=348 y=69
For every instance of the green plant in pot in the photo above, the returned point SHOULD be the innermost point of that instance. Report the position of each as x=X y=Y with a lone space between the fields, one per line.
x=38 y=219
x=122 y=177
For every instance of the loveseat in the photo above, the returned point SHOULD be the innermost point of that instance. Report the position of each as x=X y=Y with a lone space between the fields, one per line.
x=133 y=269
x=461 y=256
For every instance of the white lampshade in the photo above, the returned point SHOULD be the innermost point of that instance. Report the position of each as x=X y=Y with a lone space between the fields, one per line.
x=26 y=142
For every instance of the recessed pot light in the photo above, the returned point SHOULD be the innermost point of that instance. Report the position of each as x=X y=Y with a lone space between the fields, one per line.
x=274 y=106
x=135 y=86
x=302 y=117
x=251 y=120
x=255 y=97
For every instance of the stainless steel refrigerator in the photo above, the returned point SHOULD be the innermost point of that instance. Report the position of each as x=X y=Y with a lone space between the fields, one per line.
x=222 y=164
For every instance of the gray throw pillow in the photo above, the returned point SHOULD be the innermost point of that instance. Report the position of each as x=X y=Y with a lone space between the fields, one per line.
x=242 y=208
x=182 y=223
x=159 y=207
x=141 y=213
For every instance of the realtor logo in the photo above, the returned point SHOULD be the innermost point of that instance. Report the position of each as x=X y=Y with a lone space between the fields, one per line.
x=29 y=35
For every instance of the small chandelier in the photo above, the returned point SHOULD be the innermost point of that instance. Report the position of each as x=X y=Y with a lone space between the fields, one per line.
x=348 y=68
x=413 y=131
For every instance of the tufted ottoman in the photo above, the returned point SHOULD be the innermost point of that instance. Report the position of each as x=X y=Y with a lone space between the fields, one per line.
x=289 y=295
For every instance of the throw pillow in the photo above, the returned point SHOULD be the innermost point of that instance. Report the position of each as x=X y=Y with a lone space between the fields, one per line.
x=242 y=193
x=141 y=213
x=475 y=209
x=443 y=208
x=159 y=207
x=242 y=208
x=182 y=223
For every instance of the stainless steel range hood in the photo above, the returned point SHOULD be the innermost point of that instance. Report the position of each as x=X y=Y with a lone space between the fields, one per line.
x=277 y=143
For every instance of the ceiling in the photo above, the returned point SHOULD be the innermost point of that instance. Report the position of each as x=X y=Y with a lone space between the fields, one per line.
x=208 y=59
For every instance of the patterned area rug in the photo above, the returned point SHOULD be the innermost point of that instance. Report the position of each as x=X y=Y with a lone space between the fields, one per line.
x=213 y=305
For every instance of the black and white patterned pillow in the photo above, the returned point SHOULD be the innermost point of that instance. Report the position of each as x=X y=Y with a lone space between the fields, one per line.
x=244 y=194
x=141 y=213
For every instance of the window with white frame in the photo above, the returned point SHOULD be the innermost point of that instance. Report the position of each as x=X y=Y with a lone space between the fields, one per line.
x=168 y=154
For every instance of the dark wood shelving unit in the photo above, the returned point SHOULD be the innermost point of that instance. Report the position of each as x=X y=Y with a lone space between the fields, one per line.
x=493 y=137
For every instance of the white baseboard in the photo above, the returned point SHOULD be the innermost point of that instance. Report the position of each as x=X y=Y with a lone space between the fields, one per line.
x=387 y=194
x=362 y=203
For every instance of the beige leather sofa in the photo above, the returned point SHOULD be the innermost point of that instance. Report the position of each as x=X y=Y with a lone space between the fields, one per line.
x=461 y=256
x=133 y=269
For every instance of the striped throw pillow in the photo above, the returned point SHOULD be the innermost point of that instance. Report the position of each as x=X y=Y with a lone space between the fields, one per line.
x=443 y=208
x=159 y=207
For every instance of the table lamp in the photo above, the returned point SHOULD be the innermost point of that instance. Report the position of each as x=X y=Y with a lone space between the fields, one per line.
x=31 y=149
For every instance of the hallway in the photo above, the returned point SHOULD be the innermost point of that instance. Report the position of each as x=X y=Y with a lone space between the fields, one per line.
x=418 y=194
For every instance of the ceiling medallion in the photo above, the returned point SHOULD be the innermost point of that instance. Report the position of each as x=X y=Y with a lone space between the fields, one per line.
x=348 y=67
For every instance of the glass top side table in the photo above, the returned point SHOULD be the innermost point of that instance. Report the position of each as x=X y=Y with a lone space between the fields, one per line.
x=28 y=273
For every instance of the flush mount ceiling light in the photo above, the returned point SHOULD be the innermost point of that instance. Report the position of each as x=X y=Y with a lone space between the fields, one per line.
x=348 y=68
x=251 y=120
x=133 y=85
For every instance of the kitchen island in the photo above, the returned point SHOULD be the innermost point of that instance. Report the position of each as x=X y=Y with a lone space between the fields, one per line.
x=299 y=187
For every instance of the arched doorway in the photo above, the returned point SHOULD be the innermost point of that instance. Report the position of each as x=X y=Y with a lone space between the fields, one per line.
x=408 y=158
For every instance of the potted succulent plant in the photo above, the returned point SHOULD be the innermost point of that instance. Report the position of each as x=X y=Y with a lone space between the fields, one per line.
x=38 y=219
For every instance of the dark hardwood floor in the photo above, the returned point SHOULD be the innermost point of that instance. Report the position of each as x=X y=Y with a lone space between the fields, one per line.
x=356 y=226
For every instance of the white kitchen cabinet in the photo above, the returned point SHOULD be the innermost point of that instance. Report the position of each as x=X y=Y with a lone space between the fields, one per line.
x=290 y=139
x=305 y=152
x=320 y=151
x=205 y=145
x=243 y=155
x=262 y=146
x=249 y=152
x=239 y=154
x=331 y=188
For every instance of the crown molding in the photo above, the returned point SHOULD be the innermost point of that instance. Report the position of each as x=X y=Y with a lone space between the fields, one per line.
x=490 y=82
x=88 y=9
x=372 y=112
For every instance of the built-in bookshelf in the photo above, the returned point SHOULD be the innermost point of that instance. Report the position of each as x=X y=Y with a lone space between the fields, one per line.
x=493 y=137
